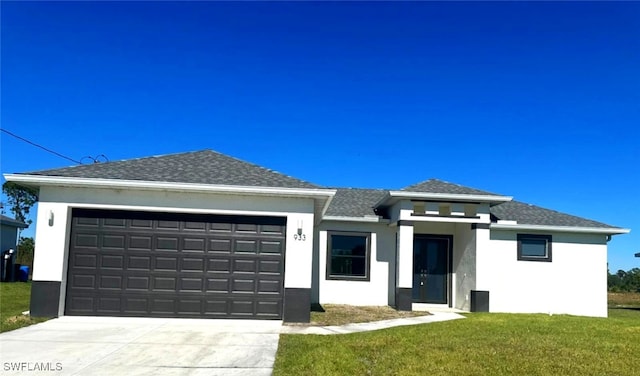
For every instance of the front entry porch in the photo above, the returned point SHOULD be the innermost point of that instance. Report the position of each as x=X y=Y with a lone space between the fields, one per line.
x=436 y=265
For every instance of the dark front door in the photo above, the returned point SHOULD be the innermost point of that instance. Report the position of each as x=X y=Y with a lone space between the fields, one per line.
x=431 y=269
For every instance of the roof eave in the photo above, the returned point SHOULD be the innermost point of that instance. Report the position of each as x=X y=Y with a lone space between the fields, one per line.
x=45 y=180
x=13 y=223
x=393 y=196
x=340 y=218
x=574 y=229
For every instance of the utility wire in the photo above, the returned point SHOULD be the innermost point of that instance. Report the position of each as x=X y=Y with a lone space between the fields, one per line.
x=40 y=146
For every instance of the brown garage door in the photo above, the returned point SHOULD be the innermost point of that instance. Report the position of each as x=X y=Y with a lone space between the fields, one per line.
x=125 y=263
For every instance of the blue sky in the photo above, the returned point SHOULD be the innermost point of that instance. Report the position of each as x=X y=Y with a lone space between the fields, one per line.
x=540 y=101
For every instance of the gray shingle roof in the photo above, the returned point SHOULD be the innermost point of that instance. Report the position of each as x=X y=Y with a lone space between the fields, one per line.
x=354 y=202
x=439 y=186
x=200 y=167
x=529 y=214
x=210 y=167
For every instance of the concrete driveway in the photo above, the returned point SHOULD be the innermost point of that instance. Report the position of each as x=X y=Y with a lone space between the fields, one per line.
x=140 y=346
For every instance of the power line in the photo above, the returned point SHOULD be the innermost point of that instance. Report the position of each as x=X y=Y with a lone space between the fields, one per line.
x=40 y=146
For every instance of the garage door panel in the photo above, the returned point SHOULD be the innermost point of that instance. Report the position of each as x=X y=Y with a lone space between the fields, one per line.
x=247 y=227
x=270 y=266
x=195 y=245
x=218 y=264
x=163 y=306
x=139 y=262
x=112 y=261
x=216 y=307
x=83 y=260
x=111 y=282
x=246 y=246
x=269 y=309
x=135 y=305
x=192 y=264
x=220 y=285
x=86 y=241
x=165 y=243
x=243 y=285
x=87 y=222
x=114 y=241
x=83 y=281
x=164 y=284
x=82 y=304
x=195 y=226
x=175 y=265
x=221 y=227
x=110 y=305
x=269 y=287
x=114 y=222
x=190 y=307
x=140 y=242
x=271 y=246
x=138 y=283
x=272 y=229
x=165 y=263
x=141 y=224
x=191 y=284
x=241 y=307
x=168 y=225
x=220 y=246
x=244 y=266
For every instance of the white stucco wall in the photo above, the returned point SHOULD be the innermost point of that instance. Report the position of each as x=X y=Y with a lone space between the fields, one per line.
x=379 y=290
x=53 y=241
x=575 y=282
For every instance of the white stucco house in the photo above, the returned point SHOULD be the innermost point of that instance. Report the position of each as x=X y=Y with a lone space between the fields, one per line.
x=202 y=234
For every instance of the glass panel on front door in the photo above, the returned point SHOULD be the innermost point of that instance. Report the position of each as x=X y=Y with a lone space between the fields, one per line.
x=430 y=270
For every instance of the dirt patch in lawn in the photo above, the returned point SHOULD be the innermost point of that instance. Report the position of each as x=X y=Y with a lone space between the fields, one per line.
x=336 y=314
x=624 y=299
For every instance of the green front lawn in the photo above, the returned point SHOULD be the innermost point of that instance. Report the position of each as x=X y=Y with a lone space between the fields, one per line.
x=481 y=344
x=14 y=299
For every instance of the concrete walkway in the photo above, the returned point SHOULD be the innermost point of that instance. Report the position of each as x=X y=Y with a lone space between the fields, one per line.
x=369 y=326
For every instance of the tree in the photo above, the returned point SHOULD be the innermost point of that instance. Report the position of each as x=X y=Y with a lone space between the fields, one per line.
x=624 y=280
x=26 y=247
x=21 y=199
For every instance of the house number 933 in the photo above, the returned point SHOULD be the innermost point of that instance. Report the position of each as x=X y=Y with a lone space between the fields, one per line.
x=300 y=237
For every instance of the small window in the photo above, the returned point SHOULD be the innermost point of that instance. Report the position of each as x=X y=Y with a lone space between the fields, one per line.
x=534 y=247
x=348 y=256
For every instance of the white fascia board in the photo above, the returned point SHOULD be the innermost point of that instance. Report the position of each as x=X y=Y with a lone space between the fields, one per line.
x=340 y=218
x=326 y=205
x=400 y=195
x=574 y=229
x=42 y=180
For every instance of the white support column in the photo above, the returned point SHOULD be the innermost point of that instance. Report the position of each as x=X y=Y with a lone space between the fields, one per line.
x=404 y=272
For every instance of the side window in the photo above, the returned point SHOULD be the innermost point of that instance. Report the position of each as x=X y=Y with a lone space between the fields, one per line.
x=348 y=255
x=534 y=247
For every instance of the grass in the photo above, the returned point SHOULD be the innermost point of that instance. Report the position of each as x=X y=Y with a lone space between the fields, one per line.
x=14 y=299
x=335 y=314
x=482 y=344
